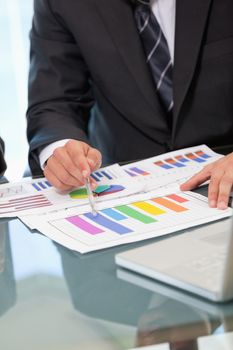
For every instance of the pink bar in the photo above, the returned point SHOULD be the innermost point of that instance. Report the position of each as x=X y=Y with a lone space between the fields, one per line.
x=177 y=198
x=84 y=225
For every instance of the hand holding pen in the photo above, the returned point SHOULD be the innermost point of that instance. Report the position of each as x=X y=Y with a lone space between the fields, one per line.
x=66 y=167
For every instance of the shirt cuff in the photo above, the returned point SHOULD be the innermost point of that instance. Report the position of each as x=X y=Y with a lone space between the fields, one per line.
x=48 y=151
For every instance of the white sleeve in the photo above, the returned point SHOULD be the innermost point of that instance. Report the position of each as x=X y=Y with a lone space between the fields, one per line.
x=48 y=151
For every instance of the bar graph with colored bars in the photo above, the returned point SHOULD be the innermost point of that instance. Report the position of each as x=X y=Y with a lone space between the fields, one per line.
x=136 y=218
x=41 y=185
x=136 y=171
x=103 y=175
x=181 y=161
x=24 y=203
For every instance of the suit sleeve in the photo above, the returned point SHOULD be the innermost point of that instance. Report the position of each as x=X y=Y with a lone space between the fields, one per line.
x=2 y=160
x=60 y=95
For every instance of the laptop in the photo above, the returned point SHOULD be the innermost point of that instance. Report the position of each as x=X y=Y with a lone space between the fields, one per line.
x=199 y=261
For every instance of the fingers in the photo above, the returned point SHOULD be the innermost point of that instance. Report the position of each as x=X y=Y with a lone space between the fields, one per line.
x=55 y=181
x=71 y=164
x=196 y=180
x=78 y=164
x=220 y=193
x=220 y=174
x=94 y=159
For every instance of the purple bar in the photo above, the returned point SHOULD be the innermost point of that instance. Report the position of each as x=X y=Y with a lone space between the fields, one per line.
x=36 y=187
x=129 y=173
x=84 y=225
x=138 y=171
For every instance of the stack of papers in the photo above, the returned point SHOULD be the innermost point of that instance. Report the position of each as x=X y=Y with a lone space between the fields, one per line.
x=134 y=202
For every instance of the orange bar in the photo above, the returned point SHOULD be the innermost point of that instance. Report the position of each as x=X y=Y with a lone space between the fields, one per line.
x=170 y=205
x=177 y=198
x=191 y=156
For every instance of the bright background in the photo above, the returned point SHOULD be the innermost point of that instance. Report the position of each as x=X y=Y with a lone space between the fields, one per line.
x=15 y=23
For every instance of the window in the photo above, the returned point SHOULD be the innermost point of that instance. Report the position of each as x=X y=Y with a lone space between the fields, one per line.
x=15 y=23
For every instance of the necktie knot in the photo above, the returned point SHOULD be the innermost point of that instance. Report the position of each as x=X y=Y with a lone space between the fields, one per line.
x=144 y=3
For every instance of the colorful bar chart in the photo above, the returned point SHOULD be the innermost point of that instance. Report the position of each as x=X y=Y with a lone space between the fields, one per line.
x=163 y=165
x=24 y=203
x=195 y=158
x=101 y=175
x=41 y=185
x=182 y=159
x=81 y=193
x=139 y=171
x=107 y=223
x=114 y=223
x=111 y=189
x=136 y=171
x=130 y=173
x=135 y=221
x=145 y=212
x=134 y=214
x=169 y=205
x=202 y=155
x=173 y=162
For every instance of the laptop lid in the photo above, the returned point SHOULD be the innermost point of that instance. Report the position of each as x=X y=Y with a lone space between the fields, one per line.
x=182 y=261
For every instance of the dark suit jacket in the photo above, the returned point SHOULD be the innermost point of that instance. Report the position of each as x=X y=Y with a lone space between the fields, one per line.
x=2 y=160
x=89 y=79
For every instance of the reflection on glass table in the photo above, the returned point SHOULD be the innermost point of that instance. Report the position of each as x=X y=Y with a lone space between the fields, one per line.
x=68 y=301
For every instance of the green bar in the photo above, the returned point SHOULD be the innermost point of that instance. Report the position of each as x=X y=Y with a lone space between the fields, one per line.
x=135 y=214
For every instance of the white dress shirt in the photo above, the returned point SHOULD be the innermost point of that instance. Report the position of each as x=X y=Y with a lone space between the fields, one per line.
x=165 y=12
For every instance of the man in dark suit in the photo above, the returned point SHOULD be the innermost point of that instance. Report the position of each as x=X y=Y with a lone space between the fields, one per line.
x=91 y=87
x=2 y=160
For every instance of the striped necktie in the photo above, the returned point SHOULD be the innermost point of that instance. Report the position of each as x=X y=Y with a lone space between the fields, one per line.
x=157 y=52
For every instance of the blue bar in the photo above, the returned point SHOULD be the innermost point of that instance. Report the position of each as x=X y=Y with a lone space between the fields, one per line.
x=42 y=185
x=98 y=174
x=113 y=214
x=183 y=160
x=205 y=156
x=107 y=175
x=129 y=173
x=95 y=177
x=109 y=224
x=179 y=165
x=36 y=187
x=48 y=184
x=166 y=166
x=199 y=160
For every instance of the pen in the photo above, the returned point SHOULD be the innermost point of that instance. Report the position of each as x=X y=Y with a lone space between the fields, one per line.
x=90 y=196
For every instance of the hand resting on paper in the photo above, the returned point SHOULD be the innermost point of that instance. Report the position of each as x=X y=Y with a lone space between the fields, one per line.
x=220 y=175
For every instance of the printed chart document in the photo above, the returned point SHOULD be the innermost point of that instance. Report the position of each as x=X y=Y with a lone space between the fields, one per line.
x=143 y=217
x=38 y=196
x=134 y=202
x=172 y=168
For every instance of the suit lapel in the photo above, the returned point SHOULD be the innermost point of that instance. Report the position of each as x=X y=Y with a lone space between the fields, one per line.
x=191 y=18
x=119 y=19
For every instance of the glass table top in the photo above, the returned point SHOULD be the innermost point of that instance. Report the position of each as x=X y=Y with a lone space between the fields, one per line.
x=54 y=298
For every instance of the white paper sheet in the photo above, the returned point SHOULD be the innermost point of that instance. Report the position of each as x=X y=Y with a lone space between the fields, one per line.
x=141 y=219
